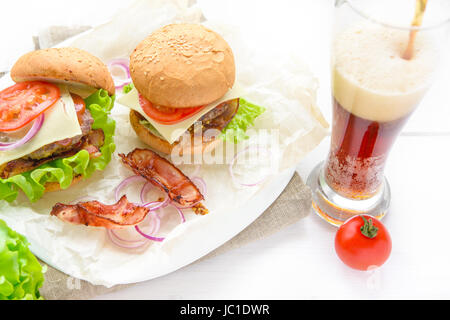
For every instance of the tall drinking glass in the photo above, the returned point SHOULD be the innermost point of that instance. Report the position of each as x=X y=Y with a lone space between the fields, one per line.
x=382 y=65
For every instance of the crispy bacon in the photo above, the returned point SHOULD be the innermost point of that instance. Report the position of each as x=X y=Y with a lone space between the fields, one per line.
x=95 y=214
x=164 y=175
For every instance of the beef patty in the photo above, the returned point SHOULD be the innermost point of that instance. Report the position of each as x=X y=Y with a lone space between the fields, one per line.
x=89 y=140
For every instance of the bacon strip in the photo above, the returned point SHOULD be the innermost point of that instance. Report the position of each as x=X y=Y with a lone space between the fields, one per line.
x=164 y=175
x=95 y=214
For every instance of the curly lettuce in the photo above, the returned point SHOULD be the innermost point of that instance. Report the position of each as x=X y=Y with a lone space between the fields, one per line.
x=64 y=170
x=21 y=275
x=245 y=117
x=150 y=128
x=127 y=88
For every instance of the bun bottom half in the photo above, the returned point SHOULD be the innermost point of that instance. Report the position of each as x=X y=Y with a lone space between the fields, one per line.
x=54 y=186
x=164 y=146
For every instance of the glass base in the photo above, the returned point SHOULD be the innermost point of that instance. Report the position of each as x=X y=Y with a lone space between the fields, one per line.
x=336 y=209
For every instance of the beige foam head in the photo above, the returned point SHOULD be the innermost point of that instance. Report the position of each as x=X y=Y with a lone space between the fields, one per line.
x=370 y=77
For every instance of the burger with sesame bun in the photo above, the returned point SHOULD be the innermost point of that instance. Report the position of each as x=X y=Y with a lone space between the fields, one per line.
x=54 y=123
x=183 y=86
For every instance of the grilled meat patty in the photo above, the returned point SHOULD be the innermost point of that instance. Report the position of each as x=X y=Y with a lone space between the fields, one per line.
x=218 y=118
x=90 y=140
x=62 y=146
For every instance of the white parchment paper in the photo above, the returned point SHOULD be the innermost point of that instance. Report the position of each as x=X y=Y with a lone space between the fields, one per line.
x=284 y=86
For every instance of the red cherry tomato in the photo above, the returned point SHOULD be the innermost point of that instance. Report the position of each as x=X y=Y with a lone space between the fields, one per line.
x=363 y=242
x=25 y=101
x=167 y=115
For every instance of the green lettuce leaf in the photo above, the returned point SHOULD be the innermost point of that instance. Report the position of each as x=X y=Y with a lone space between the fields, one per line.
x=21 y=275
x=244 y=118
x=63 y=170
x=127 y=88
x=151 y=128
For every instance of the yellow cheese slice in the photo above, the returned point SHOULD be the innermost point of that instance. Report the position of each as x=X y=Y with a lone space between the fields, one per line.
x=82 y=90
x=173 y=131
x=60 y=123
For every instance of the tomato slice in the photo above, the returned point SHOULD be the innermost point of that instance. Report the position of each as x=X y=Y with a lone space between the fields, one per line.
x=166 y=115
x=23 y=102
x=80 y=105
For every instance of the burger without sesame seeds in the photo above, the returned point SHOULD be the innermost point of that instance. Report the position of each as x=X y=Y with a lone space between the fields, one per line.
x=54 y=123
x=184 y=86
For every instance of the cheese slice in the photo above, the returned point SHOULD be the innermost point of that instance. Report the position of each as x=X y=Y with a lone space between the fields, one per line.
x=60 y=123
x=82 y=90
x=173 y=131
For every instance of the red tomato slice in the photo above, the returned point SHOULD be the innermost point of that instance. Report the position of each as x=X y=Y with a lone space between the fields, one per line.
x=23 y=102
x=166 y=115
x=80 y=105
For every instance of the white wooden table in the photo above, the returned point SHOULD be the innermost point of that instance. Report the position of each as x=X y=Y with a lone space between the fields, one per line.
x=299 y=262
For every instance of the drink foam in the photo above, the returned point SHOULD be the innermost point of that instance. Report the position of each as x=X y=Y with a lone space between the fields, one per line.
x=372 y=80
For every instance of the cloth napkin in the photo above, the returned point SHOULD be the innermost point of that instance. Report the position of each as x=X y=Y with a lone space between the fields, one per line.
x=292 y=205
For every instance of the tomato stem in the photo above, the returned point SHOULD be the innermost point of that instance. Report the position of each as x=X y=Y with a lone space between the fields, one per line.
x=368 y=229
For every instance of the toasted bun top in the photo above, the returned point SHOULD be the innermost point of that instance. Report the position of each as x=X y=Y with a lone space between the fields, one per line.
x=70 y=65
x=183 y=65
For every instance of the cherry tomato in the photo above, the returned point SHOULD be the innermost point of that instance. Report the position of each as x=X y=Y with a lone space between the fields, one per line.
x=363 y=242
x=166 y=115
x=80 y=105
x=23 y=102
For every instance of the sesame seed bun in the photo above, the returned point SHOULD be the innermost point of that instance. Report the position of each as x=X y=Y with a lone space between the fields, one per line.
x=183 y=65
x=67 y=65
x=163 y=146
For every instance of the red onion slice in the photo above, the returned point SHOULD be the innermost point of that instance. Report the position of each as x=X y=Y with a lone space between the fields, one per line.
x=134 y=244
x=114 y=233
x=123 y=64
x=180 y=212
x=148 y=236
x=37 y=125
x=154 y=226
x=123 y=243
x=157 y=223
x=199 y=182
x=230 y=168
x=154 y=205
x=125 y=183
x=144 y=191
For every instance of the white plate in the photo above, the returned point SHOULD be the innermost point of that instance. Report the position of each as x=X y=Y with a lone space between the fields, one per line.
x=189 y=246
x=236 y=222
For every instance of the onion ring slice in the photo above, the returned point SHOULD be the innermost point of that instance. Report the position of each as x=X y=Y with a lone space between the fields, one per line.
x=37 y=125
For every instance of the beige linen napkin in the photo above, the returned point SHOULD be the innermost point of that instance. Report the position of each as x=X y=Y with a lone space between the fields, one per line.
x=293 y=204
